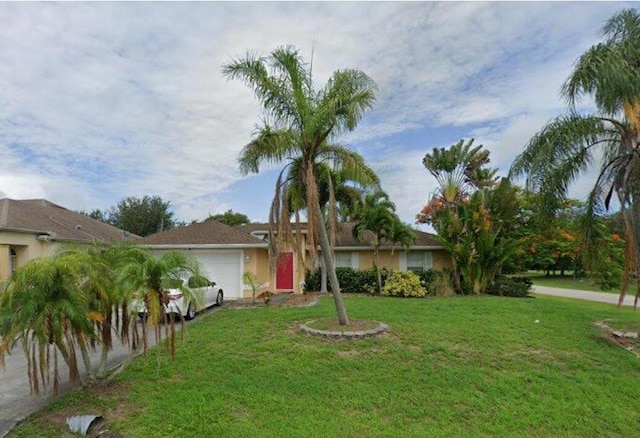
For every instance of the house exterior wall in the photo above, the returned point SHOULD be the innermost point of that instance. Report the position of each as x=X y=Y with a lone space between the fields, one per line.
x=442 y=260
x=391 y=259
x=385 y=259
x=26 y=246
x=256 y=261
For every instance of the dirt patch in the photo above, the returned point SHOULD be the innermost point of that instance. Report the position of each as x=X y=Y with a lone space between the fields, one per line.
x=626 y=337
x=279 y=300
x=330 y=324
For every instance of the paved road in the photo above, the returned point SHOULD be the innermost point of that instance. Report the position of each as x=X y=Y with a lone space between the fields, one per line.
x=15 y=401
x=601 y=297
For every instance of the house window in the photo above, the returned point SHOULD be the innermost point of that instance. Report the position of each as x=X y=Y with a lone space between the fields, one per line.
x=343 y=260
x=13 y=259
x=419 y=261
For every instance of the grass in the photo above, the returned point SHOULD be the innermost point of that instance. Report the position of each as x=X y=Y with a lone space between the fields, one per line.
x=569 y=282
x=460 y=366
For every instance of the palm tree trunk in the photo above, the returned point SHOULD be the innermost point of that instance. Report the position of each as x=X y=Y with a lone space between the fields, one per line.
x=323 y=276
x=84 y=351
x=327 y=255
x=375 y=265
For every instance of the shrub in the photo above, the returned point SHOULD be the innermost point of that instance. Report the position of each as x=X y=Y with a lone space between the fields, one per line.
x=403 y=284
x=440 y=285
x=351 y=280
x=518 y=287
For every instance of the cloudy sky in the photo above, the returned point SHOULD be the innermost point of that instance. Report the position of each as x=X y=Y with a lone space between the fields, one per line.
x=99 y=101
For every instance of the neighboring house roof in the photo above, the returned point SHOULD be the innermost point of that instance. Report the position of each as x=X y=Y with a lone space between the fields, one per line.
x=208 y=233
x=344 y=236
x=39 y=216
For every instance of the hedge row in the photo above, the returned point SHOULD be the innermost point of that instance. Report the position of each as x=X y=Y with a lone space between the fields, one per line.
x=357 y=281
x=434 y=282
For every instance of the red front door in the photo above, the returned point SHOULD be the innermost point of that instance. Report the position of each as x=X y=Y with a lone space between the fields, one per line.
x=284 y=272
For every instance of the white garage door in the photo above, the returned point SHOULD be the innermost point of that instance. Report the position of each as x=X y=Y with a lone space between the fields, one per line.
x=223 y=267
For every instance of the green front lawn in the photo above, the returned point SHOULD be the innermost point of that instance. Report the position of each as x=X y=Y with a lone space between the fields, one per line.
x=461 y=366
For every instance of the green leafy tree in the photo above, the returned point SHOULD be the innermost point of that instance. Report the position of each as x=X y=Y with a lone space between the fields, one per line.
x=472 y=214
x=230 y=218
x=142 y=216
x=378 y=217
x=302 y=122
x=564 y=149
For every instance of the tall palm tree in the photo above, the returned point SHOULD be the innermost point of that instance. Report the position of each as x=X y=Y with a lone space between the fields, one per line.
x=377 y=216
x=339 y=191
x=609 y=72
x=301 y=122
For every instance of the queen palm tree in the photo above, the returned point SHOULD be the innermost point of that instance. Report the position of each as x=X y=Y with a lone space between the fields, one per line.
x=300 y=123
x=609 y=72
x=339 y=191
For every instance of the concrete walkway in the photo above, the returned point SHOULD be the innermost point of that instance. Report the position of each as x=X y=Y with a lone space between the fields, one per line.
x=601 y=297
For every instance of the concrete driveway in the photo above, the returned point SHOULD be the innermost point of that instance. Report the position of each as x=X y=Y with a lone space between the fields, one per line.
x=15 y=401
x=600 y=297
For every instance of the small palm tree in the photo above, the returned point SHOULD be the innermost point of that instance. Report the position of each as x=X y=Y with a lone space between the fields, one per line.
x=45 y=308
x=377 y=216
x=147 y=278
x=566 y=147
x=302 y=122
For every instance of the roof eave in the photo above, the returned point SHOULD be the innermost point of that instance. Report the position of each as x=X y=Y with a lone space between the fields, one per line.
x=206 y=246
x=388 y=248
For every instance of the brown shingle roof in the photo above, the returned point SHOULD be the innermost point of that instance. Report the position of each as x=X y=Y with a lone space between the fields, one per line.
x=209 y=232
x=344 y=236
x=39 y=216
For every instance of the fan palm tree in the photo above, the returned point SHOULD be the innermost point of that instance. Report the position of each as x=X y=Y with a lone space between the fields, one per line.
x=459 y=171
x=301 y=123
x=377 y=216
x=609 y=72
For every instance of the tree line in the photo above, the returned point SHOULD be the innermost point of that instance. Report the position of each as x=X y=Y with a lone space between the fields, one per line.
x=152 y=214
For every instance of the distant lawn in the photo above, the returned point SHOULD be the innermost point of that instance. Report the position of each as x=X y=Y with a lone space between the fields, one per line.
x=569 y=282
x=451 y=367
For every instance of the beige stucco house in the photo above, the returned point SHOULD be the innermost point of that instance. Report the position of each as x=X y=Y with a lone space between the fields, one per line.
x=226 y=252
x=35 y=228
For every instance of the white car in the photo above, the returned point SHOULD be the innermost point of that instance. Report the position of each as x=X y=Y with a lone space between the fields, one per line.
x=176 y=303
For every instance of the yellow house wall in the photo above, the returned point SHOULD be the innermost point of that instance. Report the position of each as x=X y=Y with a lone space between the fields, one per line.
x=385 y=260
x=256 y=261
x=27 y=248
x=391 y=261
x=441 y=260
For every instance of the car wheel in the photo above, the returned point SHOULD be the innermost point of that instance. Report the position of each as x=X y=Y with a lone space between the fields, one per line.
x=191 y=313
x=219 y=298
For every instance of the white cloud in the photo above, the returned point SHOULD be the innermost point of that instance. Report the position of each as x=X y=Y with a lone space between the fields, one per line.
x=99 y=101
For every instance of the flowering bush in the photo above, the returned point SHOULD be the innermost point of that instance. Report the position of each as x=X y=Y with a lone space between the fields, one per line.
x=403 y=284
